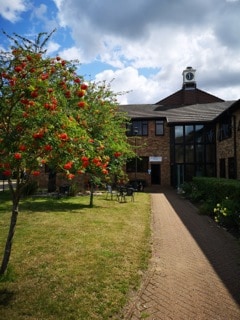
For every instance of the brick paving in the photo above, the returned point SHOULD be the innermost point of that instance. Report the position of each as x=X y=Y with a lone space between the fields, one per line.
x=194 y=272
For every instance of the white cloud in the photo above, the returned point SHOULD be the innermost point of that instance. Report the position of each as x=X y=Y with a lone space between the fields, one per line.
x=12 y=10
x=144 y=45
x=166 y=36
x=72 y=53
x=135 y=88
x=41 y=17
x=40 y=12
x=52 y=47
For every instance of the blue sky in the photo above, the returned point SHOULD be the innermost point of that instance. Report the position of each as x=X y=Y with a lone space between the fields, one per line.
x=140 y=46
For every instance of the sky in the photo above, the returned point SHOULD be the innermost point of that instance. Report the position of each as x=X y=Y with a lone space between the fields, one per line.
x=141 y=47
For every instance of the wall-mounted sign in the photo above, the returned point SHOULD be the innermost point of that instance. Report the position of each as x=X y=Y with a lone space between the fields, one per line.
x=155 y=159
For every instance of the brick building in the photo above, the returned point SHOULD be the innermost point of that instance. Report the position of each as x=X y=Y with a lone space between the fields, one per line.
x=189 y=133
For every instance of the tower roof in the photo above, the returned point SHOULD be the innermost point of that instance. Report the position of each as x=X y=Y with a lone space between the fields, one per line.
x=186 y=97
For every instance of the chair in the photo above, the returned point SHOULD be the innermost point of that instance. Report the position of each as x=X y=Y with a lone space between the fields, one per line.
x=110 y=192
x=125 y=192
x=121 y=194
x=130 y=193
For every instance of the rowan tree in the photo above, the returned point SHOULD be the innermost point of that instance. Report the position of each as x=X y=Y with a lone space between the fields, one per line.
x=50 y=115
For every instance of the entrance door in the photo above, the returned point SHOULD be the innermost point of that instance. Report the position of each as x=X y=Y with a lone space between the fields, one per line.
x=155 y=174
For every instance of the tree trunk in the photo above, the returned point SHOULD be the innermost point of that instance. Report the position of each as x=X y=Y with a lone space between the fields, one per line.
x=91 y=195
x=8 y=246
x=52 y=181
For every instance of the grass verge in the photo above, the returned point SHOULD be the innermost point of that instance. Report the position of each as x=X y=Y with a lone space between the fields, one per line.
x=70 y=261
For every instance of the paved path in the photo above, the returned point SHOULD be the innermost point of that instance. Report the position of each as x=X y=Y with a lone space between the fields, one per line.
x=195 y=268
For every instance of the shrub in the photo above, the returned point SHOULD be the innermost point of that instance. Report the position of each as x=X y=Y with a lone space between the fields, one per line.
x=217 y=188
x=227 y=213
x=206 y=208
x=73 y=190
x=212 y=198
x=192 y=192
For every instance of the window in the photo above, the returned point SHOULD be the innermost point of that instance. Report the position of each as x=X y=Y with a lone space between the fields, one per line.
x=142 y=165
x=210 y=135
x=199 y=137
x=179 y=154
x=231 y=168
x=189 y=134
x=178 y=134
x=137 y=128
x=189 y=153
x=225 y=129
x=222 y=168
x=199 y=153
x=159 y=128
x=210 y=153
x=193 y=147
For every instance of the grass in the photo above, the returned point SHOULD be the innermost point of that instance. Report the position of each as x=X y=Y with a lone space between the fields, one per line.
x=70 y=261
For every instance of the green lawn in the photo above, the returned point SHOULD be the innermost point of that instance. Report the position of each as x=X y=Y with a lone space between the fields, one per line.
x=70 y=261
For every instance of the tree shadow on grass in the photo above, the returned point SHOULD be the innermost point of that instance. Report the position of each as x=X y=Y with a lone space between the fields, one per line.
x=6 y=297
x=53 y=205
x=47 y=203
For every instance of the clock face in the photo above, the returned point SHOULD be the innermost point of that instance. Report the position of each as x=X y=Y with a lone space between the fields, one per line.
x=189 y=76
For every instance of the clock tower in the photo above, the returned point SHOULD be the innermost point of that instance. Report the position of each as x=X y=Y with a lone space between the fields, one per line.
x=189 y=78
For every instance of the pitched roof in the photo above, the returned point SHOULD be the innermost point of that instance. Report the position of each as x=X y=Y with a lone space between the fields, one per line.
x=186 y=105
x=204 y=112
x=188 y=96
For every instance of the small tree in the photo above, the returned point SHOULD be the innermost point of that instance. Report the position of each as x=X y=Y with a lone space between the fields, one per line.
x=49 y=115
x=107 y=127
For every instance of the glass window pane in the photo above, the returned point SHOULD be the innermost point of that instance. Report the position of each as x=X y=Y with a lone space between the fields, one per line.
x=231 y=168
x=159 y=127
x=210 y=153
x=189 y=134
x=179 y=154
x=199 y=170
x=210 y=135
x=137 y=128
x=199 y=153
x=142 y=164
x=210 y=170
x=189 y=172
x=130 y=165
x=189 y=153
x=222 y=166
x=199 y=133
x=178 y=134
x=144 y=128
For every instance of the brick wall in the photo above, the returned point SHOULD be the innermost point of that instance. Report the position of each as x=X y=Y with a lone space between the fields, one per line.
x=61 y=180
x=157 y=146
x=237 y=115
x=225 y=149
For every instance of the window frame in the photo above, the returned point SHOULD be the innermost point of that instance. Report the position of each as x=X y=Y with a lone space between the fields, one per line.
x=225 y=128
x=142 y=164
x=137 y=128
x=159 y=124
